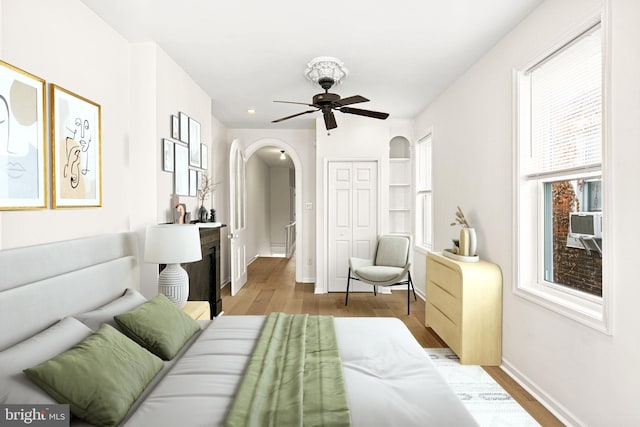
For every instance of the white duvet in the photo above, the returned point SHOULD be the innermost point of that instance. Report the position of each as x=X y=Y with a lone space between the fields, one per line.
x=390 y=380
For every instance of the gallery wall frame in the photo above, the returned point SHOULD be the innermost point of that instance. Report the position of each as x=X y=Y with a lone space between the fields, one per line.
x=181 y=172
x=76 y=147
x=23 y=141
x=175 y=127
x=199 y=179
x=194 y=143
x=193 y=182
x=204 y=153
x=167 y=155
x=184 y=127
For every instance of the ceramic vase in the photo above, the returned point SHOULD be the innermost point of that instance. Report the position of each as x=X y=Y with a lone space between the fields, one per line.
x=473 y=242
x=464 y=241
x=468 y=241
x=203 y=214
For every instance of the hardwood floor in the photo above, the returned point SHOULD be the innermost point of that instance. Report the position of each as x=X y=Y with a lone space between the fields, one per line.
x=271 y=286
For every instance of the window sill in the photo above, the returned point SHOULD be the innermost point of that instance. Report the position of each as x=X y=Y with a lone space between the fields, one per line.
x=587 y=310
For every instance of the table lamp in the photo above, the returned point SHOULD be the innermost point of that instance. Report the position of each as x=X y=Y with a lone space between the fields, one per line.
x=172 y=244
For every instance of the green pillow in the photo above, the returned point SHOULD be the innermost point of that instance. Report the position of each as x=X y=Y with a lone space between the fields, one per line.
x=100 y=377
x=159 y=326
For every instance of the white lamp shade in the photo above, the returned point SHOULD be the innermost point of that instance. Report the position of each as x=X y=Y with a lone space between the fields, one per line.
x=172 y=244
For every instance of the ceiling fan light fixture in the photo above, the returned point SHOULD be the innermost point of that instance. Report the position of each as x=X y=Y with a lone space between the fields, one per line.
x=326 y=67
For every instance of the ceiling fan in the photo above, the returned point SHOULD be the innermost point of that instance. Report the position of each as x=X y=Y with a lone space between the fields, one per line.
x=328 y=102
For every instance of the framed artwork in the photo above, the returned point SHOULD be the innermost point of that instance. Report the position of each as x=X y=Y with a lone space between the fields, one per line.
x=181 y=172
x=194 y=143
x=23 y=149
x=184 y=128
x=204 y=152
x=175 y=127
x=199 y=180
x=193 y=182
x=76 y=150
x=167 y=155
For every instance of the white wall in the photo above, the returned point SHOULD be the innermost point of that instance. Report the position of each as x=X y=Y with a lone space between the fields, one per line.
x=587 y=377
x=162 y=89
x=356 y=138
x=138 y=87
x=258 y=212
x=177 y=92
x=279 y=204
x=65 y=43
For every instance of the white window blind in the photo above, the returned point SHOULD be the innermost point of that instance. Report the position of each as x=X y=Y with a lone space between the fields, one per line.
x=566 y=107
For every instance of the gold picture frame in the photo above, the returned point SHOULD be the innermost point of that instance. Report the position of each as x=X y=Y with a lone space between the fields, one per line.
x=76 y=147
x=23 y=145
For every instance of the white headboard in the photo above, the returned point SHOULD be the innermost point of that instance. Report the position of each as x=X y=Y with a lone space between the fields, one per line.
x=41 y=284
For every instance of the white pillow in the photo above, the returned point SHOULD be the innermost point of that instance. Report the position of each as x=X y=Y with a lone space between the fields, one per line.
x=15 y=387
x=127 y=302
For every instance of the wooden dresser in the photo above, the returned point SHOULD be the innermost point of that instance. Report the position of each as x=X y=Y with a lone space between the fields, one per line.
x=464 y=307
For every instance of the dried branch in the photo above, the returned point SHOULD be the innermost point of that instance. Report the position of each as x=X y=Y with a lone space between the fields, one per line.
x=206 y=187
x=460 y=219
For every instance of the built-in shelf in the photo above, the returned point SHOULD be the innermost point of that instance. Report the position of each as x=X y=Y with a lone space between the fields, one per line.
x=399 y=185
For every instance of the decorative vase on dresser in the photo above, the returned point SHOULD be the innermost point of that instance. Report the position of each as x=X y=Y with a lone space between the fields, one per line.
x=203 y=215
x=464 y=307
x=468 y=242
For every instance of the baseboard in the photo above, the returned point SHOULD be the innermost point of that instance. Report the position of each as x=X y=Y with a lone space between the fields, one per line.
x=308 y=280
x=419 y=292
x=557 y=409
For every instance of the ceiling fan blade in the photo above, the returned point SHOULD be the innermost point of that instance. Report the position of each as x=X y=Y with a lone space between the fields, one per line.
x=330 y=120
x=292 y=116
x=298 y=103
x=352 y=100
x=367 y=113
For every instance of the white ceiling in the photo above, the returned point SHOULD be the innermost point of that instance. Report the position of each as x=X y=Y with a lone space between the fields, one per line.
x=271 y=157
x=246 y=53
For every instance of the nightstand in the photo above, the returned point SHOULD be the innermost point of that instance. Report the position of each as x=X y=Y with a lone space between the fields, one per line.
x=198 y=310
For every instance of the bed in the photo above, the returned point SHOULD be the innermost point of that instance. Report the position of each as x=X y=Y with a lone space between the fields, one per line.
x=388 y=378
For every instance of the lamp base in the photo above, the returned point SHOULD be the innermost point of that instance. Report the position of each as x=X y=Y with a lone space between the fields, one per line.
x=173 y=282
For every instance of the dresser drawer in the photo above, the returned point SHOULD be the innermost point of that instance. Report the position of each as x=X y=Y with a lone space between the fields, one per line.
x=445 y=328
x=444 y=301
x=443 y=276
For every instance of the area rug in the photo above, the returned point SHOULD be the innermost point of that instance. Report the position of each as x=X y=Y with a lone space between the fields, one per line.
x=490 y=404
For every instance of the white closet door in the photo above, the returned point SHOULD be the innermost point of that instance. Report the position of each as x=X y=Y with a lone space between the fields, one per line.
x=353 y=219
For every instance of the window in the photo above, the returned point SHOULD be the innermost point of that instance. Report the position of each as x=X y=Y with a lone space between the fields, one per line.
x=560 y=184
x=424 y=196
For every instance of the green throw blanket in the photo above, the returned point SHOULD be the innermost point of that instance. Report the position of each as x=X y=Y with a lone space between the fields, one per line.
x=294 y=377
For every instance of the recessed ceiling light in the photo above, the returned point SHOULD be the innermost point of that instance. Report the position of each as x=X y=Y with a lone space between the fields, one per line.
x=251 y=111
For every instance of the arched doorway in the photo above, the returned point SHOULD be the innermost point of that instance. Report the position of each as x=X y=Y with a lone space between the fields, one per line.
x=255 y=146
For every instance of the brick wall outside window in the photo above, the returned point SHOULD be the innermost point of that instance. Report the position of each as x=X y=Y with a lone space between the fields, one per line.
x=571 y=266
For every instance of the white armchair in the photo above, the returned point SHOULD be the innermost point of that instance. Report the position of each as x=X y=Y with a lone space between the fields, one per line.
x=390 y=264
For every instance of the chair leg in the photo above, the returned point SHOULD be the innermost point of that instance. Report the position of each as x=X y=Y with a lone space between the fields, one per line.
x=346 y=300
x=408 y=300
x=409 y=289
x=415 y=298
